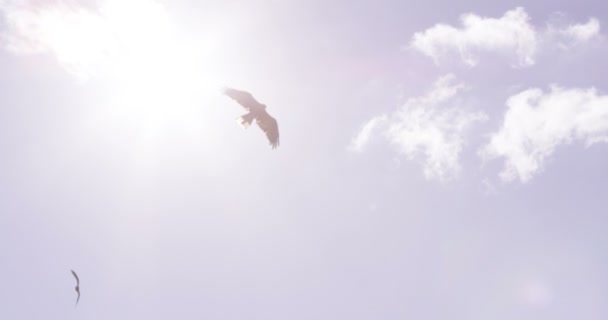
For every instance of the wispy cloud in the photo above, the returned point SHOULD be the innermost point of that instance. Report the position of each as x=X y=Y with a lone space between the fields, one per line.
x=583 y=32
x=511 y=34
x=536 y=123
x=431 y=127
x=366 y=132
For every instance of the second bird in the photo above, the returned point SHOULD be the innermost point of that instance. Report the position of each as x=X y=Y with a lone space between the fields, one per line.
x=77 y=288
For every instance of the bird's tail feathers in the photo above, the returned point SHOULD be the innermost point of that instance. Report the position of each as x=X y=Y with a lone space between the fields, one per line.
x=245 y=120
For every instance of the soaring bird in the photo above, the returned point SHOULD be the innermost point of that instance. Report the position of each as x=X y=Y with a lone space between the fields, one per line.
x=256 y=111
x=77 y=286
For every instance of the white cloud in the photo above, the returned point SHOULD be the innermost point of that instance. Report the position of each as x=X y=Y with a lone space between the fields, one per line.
x=583 y=32
x=511 y=32
x=426 y=127
x=536 y=123
x=365 y=134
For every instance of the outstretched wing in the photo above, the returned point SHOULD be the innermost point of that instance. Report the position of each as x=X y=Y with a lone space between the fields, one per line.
x=76 y=276
x=270 y=126
x=77 y=286
x=244 y=98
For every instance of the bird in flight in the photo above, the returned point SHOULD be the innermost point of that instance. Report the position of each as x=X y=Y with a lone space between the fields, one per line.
x=256 y=111
x=77 y=286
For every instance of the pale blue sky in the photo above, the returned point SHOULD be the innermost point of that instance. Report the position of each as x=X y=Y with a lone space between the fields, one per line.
x=121 y=161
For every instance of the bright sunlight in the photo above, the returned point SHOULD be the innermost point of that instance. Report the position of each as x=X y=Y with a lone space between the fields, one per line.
x=154 y=70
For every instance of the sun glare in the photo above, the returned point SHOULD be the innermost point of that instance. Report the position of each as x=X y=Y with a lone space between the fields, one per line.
x=160 y=78
x=154 y=69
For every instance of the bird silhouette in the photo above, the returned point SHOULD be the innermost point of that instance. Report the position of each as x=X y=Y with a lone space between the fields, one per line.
x=77 y=286
x=256 y=111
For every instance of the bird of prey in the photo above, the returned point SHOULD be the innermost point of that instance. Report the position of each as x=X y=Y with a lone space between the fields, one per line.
x=256 y=111
x=77 y=286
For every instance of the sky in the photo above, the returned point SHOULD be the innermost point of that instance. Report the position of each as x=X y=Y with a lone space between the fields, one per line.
x=438 y=160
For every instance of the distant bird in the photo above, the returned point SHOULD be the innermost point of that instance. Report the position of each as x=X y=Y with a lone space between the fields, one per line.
x=256 y=111
x=77 y=286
